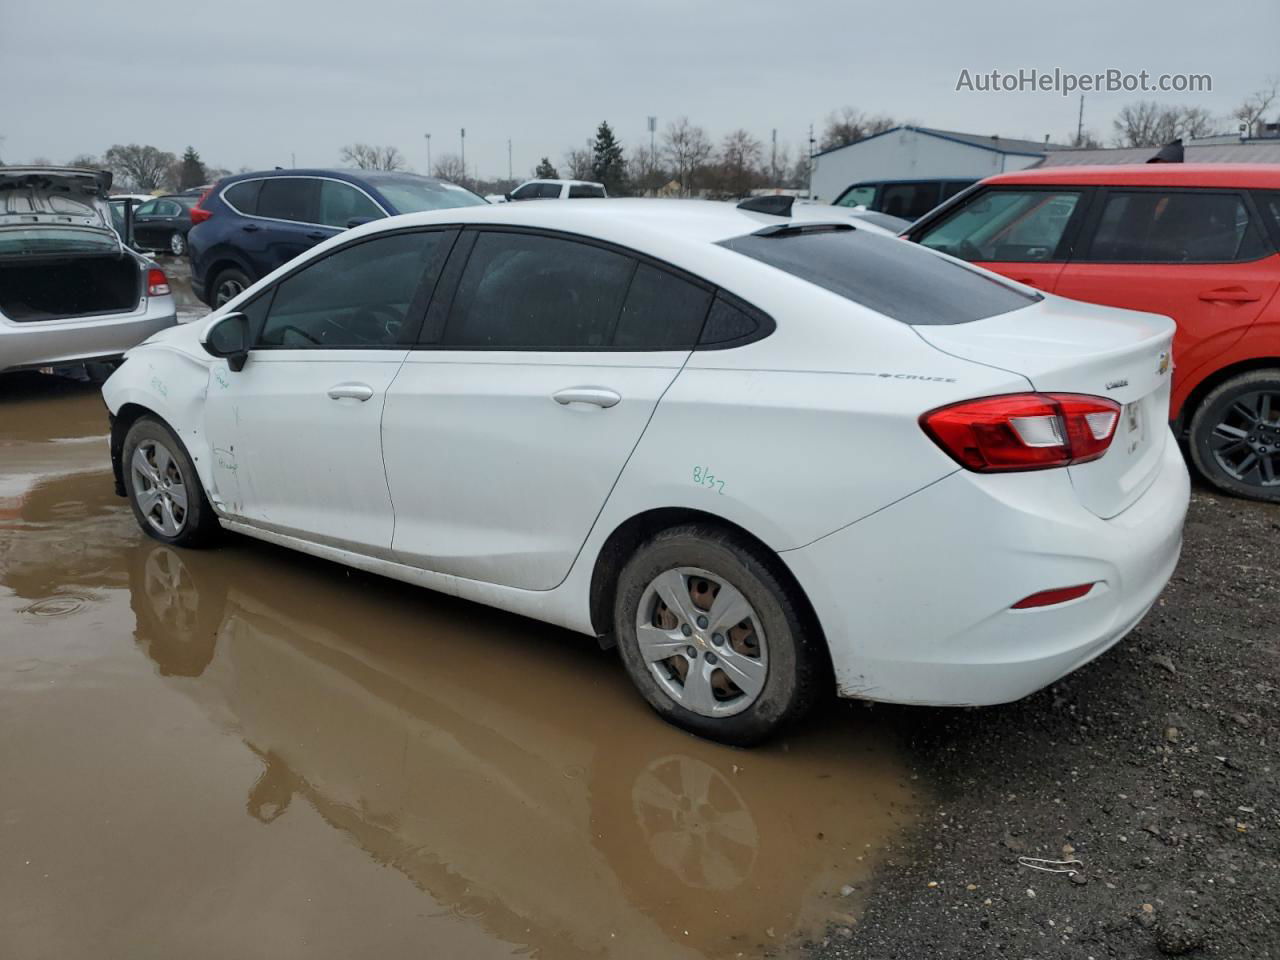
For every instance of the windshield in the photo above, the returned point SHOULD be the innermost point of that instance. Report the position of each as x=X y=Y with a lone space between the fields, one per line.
x=35 y=241
x=413 y=195
x=891 y=276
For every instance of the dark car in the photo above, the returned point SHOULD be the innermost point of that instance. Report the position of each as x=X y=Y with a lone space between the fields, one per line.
x=908 y=199
x=163 y=223
x=248 y=225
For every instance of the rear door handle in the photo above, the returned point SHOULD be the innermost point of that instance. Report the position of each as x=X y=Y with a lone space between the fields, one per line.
x=351 y=391
x=1230 y=295
x=317 y=235
x=598 y=396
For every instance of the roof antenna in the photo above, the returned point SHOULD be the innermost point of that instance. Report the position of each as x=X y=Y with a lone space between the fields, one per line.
x=777 y=206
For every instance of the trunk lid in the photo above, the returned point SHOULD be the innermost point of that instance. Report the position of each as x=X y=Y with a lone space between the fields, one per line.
x=63 y=197
x=1065 y=346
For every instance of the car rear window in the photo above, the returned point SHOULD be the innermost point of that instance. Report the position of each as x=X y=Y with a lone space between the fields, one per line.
x=893 y=277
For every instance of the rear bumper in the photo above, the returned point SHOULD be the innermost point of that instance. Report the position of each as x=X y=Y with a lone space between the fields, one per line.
x=916 y=600
x=57 y=342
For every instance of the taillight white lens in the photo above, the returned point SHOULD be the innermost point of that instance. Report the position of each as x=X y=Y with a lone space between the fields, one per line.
x=1024 y=431
x=157 y=283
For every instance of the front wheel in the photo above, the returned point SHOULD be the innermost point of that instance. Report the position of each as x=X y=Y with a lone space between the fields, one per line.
x=712 y=638
x=163 y=487
x=1235 y=436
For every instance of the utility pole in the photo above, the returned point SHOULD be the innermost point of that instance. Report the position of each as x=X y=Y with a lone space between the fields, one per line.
x=293 y=160
x=464 y=153
x=428 y=136
x=1080 y=124
x=653 y=151
x=509 y=176
x=773 y=160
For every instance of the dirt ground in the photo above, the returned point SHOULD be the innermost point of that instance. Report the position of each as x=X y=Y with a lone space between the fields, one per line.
x=244 y=751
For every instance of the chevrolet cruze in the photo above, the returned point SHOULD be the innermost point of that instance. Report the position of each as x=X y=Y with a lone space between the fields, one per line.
x=764 y=454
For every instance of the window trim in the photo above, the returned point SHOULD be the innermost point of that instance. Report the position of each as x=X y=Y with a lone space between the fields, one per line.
x=1066 y=248
x=453 y=271
x=418 y=303
x=222 y=195
x=1270 y=222
x=1089 y=234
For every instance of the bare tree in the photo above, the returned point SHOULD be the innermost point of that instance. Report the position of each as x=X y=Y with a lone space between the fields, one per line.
x=687 y=148
x=740 y=155
x=579 y=163
x=85 y=160
x=848 y=125
x=1084 y=140
x=145 y=168
x=1253 y=110
x=366 y=157
x=647 y=173
x=449 y=167
x=1150 y=124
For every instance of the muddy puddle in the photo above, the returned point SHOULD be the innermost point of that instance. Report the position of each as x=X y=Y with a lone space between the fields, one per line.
x=247 y=752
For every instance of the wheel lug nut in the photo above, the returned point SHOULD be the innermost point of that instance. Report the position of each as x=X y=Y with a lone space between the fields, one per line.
x=702 y=623
x=711 y=658
x=686 y=629
x=692 y=652
x=718 y=639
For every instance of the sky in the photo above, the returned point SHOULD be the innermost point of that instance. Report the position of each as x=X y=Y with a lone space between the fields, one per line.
x=279 y=83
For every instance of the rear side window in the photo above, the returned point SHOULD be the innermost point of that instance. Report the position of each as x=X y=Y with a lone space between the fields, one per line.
x=1006 y=226
x=909 y=200
x=1153 y=226
x=1270 y=205
x=527 y=292
x=661 y=311
x=888 y=275
x=290 y=198
x=582 y=190
x=243 y=196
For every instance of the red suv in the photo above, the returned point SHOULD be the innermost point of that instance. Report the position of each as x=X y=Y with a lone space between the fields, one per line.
x=1195 y=242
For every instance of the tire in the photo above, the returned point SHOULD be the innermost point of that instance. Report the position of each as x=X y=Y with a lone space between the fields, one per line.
x=696 y=563
x=163 y=487
x=177 y=244
x=231 y=282
x=1235 y=436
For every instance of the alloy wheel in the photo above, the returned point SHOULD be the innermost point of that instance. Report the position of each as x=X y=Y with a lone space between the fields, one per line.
x=177 y=244
x=703 y=642
x=1246 y=441
x=227 y=290
x=158 y=488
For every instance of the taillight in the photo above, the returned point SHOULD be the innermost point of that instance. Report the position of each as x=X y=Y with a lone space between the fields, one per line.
x=1024 y=431
x=198 y=213
x=157 y=283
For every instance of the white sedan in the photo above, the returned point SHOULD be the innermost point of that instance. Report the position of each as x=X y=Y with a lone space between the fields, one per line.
x=763 y=454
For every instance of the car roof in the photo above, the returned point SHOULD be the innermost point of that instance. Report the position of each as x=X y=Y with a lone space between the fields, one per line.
x=587 y=183
x=1265 y=175
x=351 y=176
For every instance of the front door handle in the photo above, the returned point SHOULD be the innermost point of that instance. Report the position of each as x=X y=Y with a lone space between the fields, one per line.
x=598 y=396
x=1230 y=295
x=250 y=228
x=351 y=391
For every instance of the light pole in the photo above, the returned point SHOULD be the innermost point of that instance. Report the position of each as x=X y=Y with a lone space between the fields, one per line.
x=509 y=168
x=428 y=136
x=463 y=140
x=653 y=150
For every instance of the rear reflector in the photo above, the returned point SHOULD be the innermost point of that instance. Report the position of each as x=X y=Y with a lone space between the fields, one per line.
x=157 y=283
x=1047 y=598
x=1024 y=431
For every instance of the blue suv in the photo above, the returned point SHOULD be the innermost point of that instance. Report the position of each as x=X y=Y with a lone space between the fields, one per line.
x=248 y=225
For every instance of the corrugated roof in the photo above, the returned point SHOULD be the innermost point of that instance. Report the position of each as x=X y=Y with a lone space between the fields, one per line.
x=1003 y=144
x=1268 y=152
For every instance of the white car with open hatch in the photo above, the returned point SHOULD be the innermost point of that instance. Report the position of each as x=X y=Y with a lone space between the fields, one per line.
x=760 y=452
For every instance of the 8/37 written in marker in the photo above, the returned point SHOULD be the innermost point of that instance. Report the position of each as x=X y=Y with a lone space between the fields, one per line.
x=703 y=476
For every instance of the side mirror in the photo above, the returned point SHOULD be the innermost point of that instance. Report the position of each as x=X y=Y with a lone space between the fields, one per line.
x=509 y=197
x=230 y=339
x=358 y=222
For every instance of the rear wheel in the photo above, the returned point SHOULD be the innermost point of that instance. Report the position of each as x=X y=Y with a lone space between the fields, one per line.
x=177 y=244
x=712 y=638
x=163 y=487
x=1235 y=436
x=228 y=285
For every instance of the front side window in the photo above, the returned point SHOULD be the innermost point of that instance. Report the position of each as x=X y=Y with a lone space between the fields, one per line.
x=527 y=292
x=289 y=198
x=528 y=192
x=340 y=203
x=357 y=297
x=1006 y=226
x=863 y=196
x=550 y=191
x=1153 y=226
x=408 y=194
x=910 y=201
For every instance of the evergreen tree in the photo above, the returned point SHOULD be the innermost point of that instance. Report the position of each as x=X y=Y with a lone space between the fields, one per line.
x=546 y=170
x=192 y=172
x=607 y=163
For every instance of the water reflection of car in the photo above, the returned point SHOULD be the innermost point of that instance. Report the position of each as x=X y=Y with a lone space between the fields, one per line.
x=245 y=226
x=71 y=290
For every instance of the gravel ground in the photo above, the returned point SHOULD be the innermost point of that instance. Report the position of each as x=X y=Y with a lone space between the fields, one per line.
x=1155 y=766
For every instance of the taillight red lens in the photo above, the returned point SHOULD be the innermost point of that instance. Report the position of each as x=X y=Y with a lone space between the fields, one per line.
x=1024 y=431
x=198 y=213
x=157 y=283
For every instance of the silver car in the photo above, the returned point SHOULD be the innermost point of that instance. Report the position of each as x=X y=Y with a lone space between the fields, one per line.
x=70 y=290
